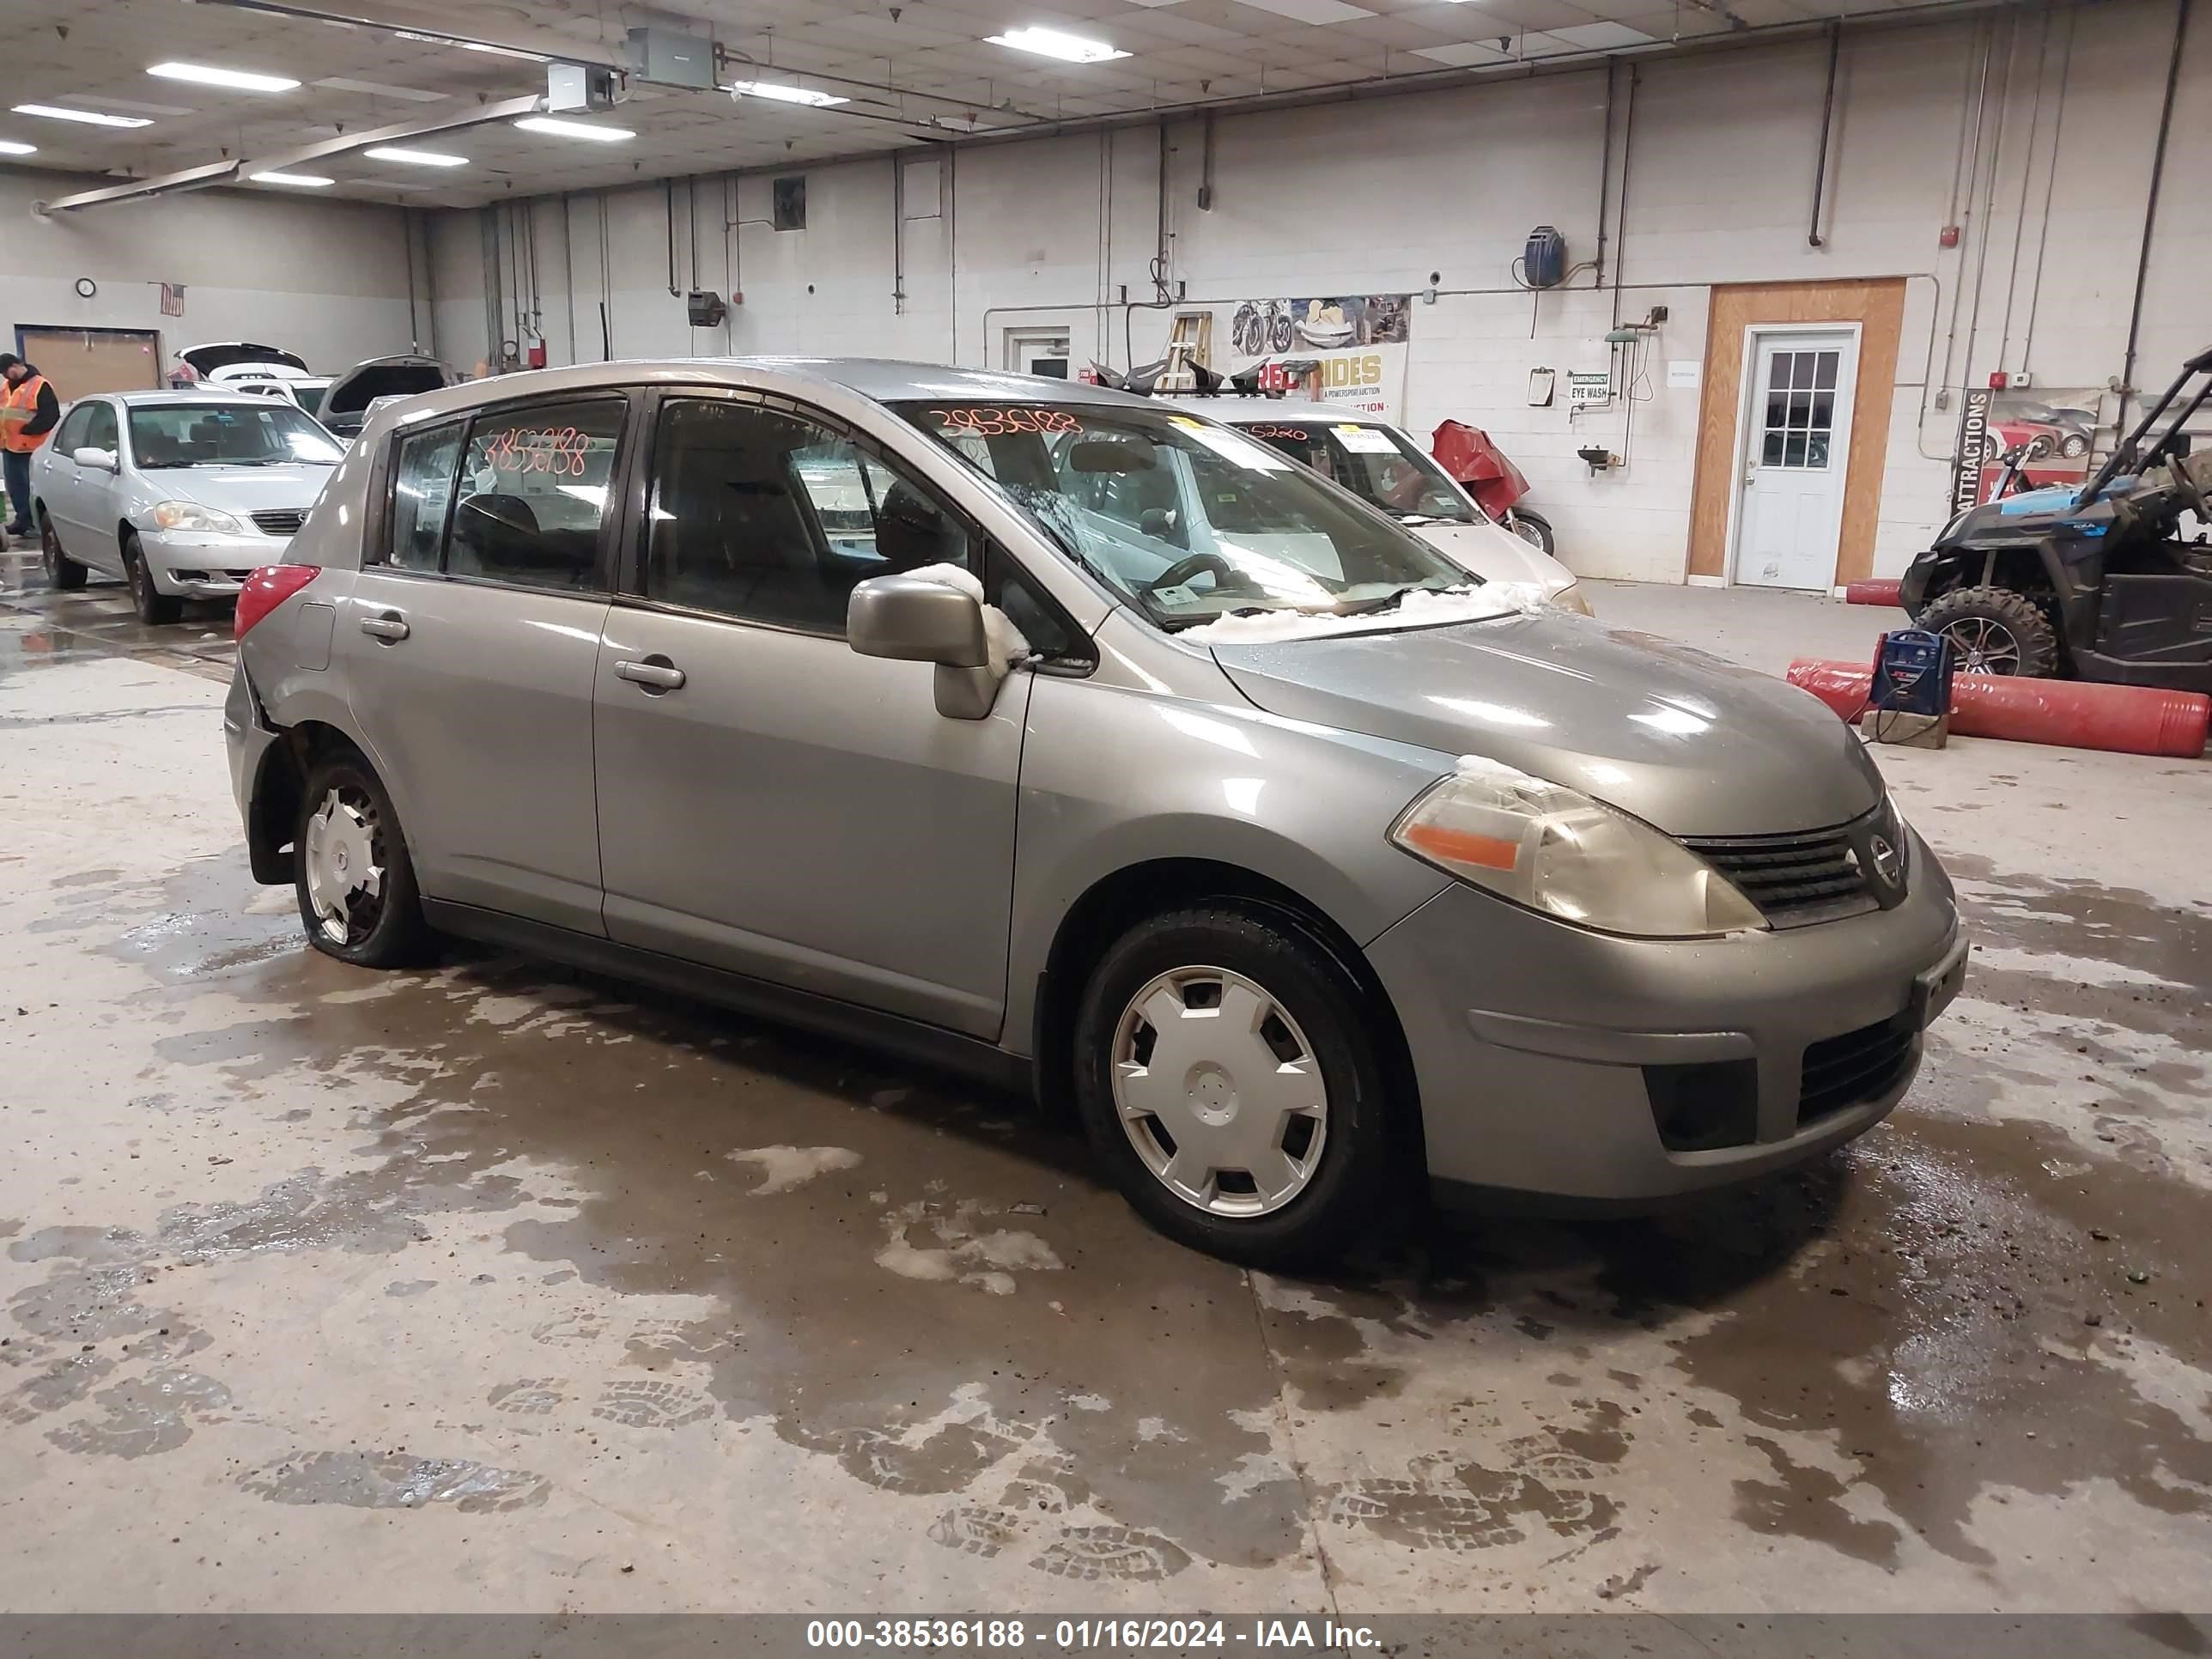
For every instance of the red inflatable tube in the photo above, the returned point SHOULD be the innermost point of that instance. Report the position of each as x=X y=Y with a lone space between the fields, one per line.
x=1879 y=591
x=2129 y=720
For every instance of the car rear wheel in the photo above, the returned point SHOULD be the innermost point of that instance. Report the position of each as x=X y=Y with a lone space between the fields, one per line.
x=155 y=608
x=1226 y=1077
x=1993 y=630
x=356 y=883
x=64 y=574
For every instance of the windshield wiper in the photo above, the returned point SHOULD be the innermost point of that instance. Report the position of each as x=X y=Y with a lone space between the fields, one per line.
x=1384 y=601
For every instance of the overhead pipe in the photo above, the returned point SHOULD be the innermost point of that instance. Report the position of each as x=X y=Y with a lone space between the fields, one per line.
x=2127 y=720
x=1604 y=175
x=2150 y=208
x=1206 y=166
x=668 y=204
x=1620 y=218
x=1827 y=117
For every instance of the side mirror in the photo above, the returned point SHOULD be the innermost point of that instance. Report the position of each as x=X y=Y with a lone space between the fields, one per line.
x=909 y=620
x=104 y=459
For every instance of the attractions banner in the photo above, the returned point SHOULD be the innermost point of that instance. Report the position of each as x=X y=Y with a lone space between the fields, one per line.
x=1357 y=342
x=2058 y=430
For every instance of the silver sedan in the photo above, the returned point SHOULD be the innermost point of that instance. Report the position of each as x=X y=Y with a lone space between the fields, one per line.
x=181 y=494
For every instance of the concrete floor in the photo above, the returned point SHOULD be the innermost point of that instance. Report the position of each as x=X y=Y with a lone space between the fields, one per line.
x=499 y=1288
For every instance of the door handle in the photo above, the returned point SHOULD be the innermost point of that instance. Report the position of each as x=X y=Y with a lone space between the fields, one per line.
x=387 y=627
x=655 y=673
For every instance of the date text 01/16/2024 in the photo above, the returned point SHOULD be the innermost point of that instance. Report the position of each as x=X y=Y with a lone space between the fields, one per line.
x=1090 y=1635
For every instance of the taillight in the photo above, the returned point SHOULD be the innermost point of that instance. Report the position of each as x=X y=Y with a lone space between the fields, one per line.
x=267 y=588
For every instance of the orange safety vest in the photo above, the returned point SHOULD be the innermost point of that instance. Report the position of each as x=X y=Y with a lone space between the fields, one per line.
x=25 y=398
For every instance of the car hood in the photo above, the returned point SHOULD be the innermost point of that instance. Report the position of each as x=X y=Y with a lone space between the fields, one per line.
x=242 y=489
x=1495 y=554
x=382 y=377
x=227 y=353
x=1683 y=740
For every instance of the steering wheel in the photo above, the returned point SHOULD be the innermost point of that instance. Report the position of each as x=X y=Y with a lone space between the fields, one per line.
x=1224 y=574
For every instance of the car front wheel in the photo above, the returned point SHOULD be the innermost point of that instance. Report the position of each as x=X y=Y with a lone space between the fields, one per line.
x=155 y=608
x=1227 y=1079
x=356 y=883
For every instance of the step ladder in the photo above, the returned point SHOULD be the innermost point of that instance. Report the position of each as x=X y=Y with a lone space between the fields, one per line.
x=1190 y=342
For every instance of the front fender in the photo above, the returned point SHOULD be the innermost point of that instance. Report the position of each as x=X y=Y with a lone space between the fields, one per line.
x=1114 y=777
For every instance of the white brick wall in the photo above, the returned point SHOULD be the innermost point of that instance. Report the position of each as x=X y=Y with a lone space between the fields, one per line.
x=1375 y=195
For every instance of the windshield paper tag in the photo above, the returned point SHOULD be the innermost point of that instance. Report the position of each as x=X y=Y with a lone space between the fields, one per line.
x=1365 y=440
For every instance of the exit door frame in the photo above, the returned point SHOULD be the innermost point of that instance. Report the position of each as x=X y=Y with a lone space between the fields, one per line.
x=1746 y=395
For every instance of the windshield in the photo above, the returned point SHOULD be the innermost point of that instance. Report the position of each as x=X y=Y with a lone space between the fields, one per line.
x=271 y=433
x=1190 y=520
x=1377 y=463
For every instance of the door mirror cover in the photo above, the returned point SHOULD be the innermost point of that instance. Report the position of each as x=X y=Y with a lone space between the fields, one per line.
x=90 y=455
x=910 y=620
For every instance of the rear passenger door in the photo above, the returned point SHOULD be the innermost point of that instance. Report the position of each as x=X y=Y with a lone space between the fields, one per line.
x=469 y=642
x=771 y=803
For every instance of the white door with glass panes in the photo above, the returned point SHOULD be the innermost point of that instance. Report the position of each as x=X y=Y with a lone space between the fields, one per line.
x=1797 y=443
x=1039 y=353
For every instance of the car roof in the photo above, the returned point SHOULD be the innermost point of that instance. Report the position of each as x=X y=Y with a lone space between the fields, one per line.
x=215 y=392
x=1235 y=408
x=879 y=379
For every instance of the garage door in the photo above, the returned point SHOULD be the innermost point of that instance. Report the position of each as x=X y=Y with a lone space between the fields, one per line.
x=83 y=360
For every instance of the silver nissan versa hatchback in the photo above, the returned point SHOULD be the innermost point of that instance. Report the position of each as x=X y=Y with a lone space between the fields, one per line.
x=1043 y=732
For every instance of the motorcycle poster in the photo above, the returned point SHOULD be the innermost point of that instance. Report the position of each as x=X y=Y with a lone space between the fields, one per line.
x=1357 y=342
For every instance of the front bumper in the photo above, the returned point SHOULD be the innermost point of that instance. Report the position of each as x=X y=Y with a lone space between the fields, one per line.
x=202 y=566
x=1543 y=1052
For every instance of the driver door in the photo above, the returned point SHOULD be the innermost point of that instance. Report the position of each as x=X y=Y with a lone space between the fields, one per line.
x=93 y=496
x=771 y=803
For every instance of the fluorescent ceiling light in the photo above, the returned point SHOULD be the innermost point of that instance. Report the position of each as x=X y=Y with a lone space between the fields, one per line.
x=558 y=129
x=9 y=146
x=1051 y=43
x=472 y=45
x=236 y=80
x=415 y=158
x=805 y=95
x=91 y=118
x=304 y=180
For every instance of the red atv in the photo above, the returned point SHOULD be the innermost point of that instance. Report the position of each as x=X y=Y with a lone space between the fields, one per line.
x=1496 y=483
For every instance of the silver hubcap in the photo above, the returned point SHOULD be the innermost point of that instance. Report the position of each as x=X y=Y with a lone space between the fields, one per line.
x=345 y=880
x=1219 y=1091
x=1528 y=533
x=1984 y=646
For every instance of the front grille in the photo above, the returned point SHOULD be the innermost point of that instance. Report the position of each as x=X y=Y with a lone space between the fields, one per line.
x=282 y=521
x=1858 y=1066
x=1793 y=879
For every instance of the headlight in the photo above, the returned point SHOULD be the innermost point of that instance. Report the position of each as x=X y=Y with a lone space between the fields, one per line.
x=1570 y=597
x=1557 y=851
x=190 y=515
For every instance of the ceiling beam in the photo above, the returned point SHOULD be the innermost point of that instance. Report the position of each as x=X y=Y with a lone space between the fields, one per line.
x=438 y=25
x=475 y=115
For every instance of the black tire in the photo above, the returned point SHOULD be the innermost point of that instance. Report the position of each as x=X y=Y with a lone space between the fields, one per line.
x=1995 y=630
x=384 y=929
x=1340 y=1197
x=63 y=573
x=155 y=608
x=1532 y=528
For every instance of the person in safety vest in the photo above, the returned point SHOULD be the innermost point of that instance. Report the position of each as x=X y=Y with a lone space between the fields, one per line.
x=28 y=410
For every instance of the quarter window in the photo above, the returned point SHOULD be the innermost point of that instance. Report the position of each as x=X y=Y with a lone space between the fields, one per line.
x=422 y=489
x=531 y=496
x=760 y=514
